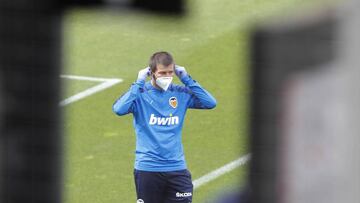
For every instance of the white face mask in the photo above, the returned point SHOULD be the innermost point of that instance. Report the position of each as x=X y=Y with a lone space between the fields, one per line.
x=164 y=82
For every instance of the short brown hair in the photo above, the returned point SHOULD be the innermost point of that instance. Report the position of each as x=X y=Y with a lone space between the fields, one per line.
x=162 y=57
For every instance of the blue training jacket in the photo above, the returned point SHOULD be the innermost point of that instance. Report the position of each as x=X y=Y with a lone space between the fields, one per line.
x=158 y=120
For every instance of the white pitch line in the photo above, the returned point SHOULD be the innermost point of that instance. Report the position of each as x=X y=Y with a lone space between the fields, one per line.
x=95 y=79
x=106 y=83
x=220 y=171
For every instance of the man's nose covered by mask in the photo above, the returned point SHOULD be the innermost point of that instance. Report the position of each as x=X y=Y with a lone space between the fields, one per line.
x=164 y=82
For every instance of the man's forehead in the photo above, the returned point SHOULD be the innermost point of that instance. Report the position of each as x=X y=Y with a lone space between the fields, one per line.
x=161 y=67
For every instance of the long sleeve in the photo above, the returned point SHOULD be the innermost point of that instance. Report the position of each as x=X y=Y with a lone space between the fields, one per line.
x=200 y=98
x=126 y=103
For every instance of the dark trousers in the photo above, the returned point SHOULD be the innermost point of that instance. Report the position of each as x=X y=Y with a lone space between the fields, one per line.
x=163 y=187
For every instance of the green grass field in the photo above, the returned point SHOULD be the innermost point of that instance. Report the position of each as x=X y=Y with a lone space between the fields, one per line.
x=211 y=42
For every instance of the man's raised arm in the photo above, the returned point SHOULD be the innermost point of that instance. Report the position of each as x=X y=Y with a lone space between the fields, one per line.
x=125 y=104
x=200 y=98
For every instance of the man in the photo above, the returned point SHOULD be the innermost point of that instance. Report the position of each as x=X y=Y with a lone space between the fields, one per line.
x=158 y=108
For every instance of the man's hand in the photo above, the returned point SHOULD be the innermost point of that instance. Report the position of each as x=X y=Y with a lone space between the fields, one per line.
x=180 y=71
x=143 y=74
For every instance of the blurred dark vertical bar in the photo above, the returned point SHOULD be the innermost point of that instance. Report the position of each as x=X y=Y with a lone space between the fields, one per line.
x=30 y=61
x=30 y=42
x=280 y=50
x=1 y=137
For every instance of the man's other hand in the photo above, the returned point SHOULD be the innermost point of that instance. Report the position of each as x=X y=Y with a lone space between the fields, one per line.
x=180 y=71
x=143 y=74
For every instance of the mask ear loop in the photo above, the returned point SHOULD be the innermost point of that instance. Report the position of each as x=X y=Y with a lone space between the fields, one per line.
x=153 y=76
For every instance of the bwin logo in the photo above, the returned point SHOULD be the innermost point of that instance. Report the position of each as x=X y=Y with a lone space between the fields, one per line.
x=172 y=120
x=185 y=194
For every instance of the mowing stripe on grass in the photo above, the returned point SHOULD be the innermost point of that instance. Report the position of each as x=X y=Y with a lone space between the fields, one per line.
x=105 y=83
x=220 y=171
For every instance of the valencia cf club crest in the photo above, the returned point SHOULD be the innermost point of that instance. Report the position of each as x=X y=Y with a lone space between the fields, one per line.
x=173 y=102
